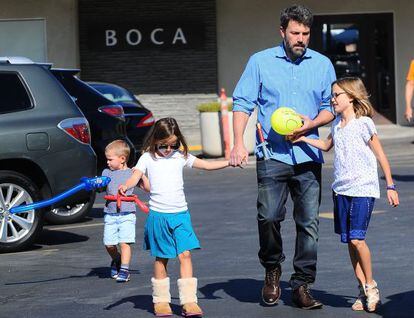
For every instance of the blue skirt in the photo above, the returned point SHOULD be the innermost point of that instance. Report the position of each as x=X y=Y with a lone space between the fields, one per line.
x=169 y=234
x=352 y=216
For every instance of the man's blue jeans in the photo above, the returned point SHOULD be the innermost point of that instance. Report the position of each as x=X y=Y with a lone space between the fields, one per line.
x=303 y=182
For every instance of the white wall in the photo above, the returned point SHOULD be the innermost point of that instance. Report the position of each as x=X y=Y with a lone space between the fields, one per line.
x=24 y=37
x=61 y=20
x=247 y=26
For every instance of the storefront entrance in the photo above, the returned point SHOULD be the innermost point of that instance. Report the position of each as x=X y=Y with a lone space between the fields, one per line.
x=361 y=45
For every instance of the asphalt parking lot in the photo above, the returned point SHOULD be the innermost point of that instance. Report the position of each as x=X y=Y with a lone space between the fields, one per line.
x=66 y=273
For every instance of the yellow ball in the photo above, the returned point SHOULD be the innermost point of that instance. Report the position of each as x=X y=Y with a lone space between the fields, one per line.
x=285 y=120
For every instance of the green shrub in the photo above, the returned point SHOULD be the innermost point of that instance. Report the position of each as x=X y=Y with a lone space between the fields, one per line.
x=212 y=107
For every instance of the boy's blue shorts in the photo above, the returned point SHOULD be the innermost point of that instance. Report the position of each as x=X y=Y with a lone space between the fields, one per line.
x=352 y=216
x=169 y=234
x=119 y=228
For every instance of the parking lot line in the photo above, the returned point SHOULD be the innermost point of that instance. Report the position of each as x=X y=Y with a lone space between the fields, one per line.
x=73 y=226
x=43 y=251
x=329 y=215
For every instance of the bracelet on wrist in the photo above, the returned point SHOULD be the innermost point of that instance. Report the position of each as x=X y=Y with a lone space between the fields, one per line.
x=392 y=187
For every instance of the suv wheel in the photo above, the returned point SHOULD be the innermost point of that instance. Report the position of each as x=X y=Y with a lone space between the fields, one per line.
x=70 y=213
x=17 y=231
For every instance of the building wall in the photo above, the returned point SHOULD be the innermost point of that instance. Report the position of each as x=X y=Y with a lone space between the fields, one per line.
x=244 y=27
x=61 y=18
x=130 y=58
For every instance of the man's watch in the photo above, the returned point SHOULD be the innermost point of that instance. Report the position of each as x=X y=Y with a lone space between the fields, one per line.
x=392 y=187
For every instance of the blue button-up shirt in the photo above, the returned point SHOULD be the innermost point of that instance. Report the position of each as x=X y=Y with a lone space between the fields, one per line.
x=271 y=80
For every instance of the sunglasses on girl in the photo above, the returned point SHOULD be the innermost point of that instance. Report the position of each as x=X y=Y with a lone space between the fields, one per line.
x=162 y=147
x=335 y=95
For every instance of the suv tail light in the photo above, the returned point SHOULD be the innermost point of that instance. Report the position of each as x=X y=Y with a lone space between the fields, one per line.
x=147 y=120
x=113 y=110
x=77 y=128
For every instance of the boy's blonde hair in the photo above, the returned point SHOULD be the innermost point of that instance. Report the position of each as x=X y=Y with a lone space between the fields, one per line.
x=355 y=88
x=119 y=148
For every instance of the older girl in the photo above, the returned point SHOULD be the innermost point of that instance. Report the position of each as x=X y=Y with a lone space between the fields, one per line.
x=356 y=185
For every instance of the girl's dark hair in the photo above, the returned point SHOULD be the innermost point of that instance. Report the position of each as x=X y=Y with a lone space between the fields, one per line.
x=163 y=129
x=298 y=13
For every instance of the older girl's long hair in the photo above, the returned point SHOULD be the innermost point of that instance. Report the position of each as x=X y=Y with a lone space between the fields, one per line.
x=355 y=88
x=163 y=129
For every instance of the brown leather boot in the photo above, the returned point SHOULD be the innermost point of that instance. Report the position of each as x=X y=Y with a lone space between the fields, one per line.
x=271 y=288
x=302 y=298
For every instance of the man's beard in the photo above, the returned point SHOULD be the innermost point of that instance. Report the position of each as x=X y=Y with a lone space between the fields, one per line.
x=295 y=51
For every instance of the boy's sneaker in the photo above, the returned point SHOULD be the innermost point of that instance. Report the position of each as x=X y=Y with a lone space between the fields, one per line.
x=123 y=276
x=115 y=267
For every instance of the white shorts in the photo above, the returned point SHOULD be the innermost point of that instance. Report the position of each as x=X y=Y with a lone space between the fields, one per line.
x=119 y=228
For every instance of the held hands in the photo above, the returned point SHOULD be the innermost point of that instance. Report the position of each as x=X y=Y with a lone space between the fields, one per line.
x=295 y=139
x=238 y=156
x=307 y=125
x=122 y=189
x=393 y=199
x=296 y=135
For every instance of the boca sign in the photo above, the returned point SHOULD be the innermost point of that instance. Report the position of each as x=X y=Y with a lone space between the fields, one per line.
x=138 y=36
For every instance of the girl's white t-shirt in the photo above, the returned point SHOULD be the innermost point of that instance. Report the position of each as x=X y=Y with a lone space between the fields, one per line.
x=165 y=175
x=355 y=165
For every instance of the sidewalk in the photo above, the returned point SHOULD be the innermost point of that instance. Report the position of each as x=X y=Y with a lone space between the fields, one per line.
x=385 y=132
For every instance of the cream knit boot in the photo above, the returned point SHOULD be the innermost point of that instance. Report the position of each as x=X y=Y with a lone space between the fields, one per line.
x=187 y=289
x=161 y=297
x=373 y=296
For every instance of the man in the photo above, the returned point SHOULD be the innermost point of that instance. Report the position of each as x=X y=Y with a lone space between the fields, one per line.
x=409 y=91
x=287 y=75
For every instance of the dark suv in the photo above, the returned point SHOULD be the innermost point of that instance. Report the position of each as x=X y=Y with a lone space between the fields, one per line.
x=44 y=150
x=106 y=118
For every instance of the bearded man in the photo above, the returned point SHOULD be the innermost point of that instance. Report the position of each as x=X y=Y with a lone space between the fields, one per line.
x=287 y=75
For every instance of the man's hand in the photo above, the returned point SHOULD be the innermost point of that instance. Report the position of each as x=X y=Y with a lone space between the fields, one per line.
x=238 y=155
x=307 y=125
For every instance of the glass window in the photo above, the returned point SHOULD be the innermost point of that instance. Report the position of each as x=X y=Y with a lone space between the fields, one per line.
x=13 y=95
x=114 y=93
x=340 y=42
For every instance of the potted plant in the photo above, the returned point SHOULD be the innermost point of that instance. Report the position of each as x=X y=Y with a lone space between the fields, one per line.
x=212 y=134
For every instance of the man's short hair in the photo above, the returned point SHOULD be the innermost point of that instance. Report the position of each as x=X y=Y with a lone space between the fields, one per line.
x=298 y=13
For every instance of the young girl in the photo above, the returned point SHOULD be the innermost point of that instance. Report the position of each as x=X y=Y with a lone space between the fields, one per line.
x=356 y=185
x=168 y=231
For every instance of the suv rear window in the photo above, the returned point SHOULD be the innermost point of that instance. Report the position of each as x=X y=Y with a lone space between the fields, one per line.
x=13 y=94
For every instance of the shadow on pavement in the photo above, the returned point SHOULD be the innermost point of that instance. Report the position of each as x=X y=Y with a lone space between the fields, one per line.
x=143 y=302
x=95 y=213
x=403 y=178
x=100 y=272
x=399 y=305
x=249 y=291
x=56 y=237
